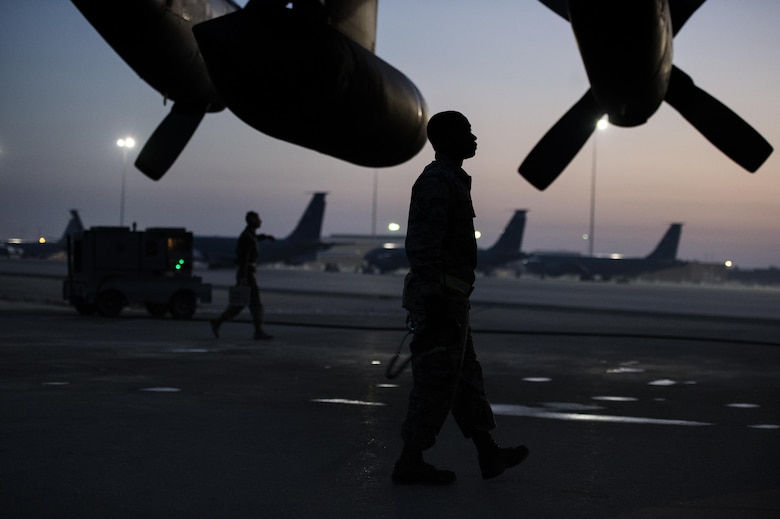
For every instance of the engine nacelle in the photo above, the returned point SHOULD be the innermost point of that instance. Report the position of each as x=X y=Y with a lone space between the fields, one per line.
x=627 y=49
x=292 y=76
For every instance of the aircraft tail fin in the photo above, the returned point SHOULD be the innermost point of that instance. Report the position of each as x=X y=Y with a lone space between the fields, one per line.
x=74 y=226
x=666 y=250
x=309 y=226
x=512 y=238
x=167 y=142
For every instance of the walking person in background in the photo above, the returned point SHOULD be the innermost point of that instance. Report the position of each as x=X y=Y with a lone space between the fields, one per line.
x=246 y=267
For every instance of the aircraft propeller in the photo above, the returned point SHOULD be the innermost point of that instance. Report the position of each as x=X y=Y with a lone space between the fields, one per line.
x=627 y=51
x=167 y=142
x=718 y=123
x=715 y=121
x=561 y=143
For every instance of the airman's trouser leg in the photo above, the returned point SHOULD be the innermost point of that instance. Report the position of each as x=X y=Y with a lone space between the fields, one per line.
x=447 y=377
x=231 y=312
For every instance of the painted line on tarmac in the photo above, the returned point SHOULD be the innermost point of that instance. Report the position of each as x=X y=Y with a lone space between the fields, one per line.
x=535 y=412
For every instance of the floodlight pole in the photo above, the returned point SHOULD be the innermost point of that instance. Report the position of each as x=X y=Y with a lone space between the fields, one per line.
x=592 y=196
x=601 y=124
x=373 y=206
x=125 y=144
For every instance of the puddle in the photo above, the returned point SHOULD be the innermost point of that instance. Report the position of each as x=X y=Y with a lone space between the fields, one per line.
x=536 y=412
x=615 y=398
x=347 y=402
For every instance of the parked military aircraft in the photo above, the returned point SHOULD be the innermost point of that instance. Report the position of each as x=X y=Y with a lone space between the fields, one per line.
x=506 y=249
x=626 y=47
x=301 y=71
x=300 y=246
x=43 y=248
x=556 y=264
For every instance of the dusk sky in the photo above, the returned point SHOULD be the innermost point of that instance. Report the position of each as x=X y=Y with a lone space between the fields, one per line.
x=512 y=67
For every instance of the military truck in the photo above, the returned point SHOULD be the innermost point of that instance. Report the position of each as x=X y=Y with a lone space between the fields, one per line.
x=110 y=268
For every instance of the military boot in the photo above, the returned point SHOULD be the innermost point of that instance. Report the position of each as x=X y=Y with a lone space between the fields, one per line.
x=411 y=469
x=493 y=459
x=215 y=324
x=257 y=319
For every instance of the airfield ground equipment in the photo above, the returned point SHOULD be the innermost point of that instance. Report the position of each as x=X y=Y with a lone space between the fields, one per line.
x=110 y=268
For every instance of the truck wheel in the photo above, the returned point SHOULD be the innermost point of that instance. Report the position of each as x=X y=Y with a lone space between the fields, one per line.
x=157 y=309
x=183 y=305
x=109 y=303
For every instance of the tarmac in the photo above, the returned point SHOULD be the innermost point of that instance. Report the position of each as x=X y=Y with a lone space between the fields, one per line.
x=636 y=401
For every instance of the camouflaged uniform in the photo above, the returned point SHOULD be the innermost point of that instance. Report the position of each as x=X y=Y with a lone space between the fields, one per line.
x=442 y=252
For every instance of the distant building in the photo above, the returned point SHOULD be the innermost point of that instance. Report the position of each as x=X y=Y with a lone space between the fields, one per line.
x=768 y=276
x=715 y=273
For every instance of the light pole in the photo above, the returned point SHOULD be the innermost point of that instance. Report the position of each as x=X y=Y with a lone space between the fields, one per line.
x=601 y=124
x=373 y=206
x=125 y=144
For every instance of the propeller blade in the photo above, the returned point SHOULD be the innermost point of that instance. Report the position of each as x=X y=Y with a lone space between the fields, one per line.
x=721 y=126
x=167 y=142
x=681 y=10
x=560 y=7
x=561 y=143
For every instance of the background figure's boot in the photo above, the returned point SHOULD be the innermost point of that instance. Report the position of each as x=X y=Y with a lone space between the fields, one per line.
x=257 y=319
x=411 y=469
x=493 y=459
x=215 y=324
